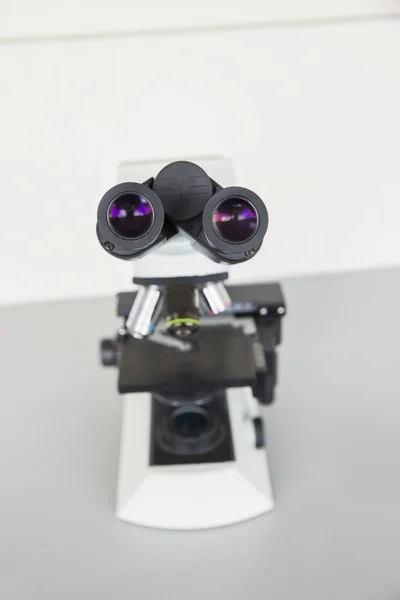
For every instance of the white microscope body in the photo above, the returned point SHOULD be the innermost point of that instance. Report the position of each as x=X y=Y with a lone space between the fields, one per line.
x=192 y=456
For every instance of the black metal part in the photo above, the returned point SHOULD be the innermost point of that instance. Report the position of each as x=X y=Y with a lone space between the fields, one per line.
x=197 y=280
x=264 y=386
x=174 y=400
x=109 y=353
x=271 y=361
x=264 y=354
x=191 y=434
x=259 y=432
x=184 y=189
x=221 y=357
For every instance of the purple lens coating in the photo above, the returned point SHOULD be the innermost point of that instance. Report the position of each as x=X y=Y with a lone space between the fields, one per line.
x=235 y=220
x=130 y=215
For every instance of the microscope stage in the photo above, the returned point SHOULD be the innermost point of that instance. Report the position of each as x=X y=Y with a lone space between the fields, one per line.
x=222 y=357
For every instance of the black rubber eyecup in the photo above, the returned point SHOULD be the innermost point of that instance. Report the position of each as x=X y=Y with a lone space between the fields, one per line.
x=254 y=242
x=114 y=243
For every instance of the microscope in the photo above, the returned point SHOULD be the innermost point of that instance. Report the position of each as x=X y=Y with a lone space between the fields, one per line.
x=196 y=357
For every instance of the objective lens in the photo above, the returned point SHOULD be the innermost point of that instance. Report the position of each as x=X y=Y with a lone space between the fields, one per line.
x=130 y=215
x=181 y=310
x=235 y=220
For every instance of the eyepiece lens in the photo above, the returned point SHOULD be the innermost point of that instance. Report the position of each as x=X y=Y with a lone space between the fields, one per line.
x=130 y=215
x=235 y=220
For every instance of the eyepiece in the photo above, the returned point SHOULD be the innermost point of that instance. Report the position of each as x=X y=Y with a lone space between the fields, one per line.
x=235 y=220
x=130 y=220
x=228 y=225
x=234 y=223
x=130 y=215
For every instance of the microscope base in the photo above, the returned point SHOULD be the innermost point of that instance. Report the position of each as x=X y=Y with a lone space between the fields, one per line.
x=192 y=496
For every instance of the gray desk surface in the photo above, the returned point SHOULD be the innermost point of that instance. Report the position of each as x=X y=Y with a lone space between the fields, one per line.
x=334 y=451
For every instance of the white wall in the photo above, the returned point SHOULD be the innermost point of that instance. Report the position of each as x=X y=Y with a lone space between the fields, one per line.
x=310 y=115
x=49 y=18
